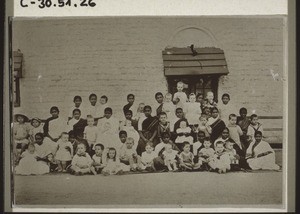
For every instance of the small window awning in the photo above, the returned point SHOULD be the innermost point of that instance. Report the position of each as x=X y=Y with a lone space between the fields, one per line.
x=17 y=63
x=197 y=61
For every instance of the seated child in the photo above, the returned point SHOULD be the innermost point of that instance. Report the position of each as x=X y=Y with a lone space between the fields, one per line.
x=101 y=106
x=21 y=134
x=224 y=136
x=90 y=133
x=260 y=154
x=234 y=157
x=131 y=132
x=82 y=162
x=203 y=125
x=97 y=158
x=186 y=158
x=198 y=144
x=64 y=152
x=253 y=127
x=220 y=162
x=29 y=165
x=169 y=156
x=112 y=165
x=36 y=127
x=169 y=108
x=52 y=163
x=147 y=157
x=128 y=116
x=205 y=154
x=129 y=156
x=183 y=134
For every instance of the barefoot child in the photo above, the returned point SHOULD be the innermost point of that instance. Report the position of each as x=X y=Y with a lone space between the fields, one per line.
x=169 y=156
x=180 y=97
x=169 y=107
x=82 y=162
x=192 y=110
x=112 y=165
x=235 y=132
x=234 y=157
x=90 y=133
x=64 y=152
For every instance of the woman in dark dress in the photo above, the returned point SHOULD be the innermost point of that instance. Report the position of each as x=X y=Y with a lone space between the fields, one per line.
x=148 y=133
x=217 y=125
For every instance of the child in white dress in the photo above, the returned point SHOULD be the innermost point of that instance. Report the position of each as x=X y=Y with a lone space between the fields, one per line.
x=36 y=127
x=64 y=152
x=21 y=134
x=112 y=165
x=131 y=132
x=129 y=156
x=169 y=107
x=183 y=134
x=169 y=156
x=90 y=133
x=186 y=158
x=234 y=157
x=180 y=97
x=82 y=162
x=192 y=110
x=147 y=157
x=29 y=165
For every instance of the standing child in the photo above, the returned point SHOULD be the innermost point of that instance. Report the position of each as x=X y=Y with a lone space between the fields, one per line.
x=169 y=107
x=243 y=122
x=131 y=132
x=205 y=154
x=169 y=156
x=21 y=134
x=82 y=162
x=183 y=134
x=220 y=162
x=235 y=131
x=129 y=156
x=64 y=152
x=97 y=158
x=112 y=165
x=91 y=108
x=148 y=157
x=192 y=110
x=180 y=97
x=254 y=127
x=226 y=108
x=36 y=127
x=163 y=125
x=159 y=97
x=200 y=99
x=211 y=103
x=77 y=105
x=29 y=165
x=186 y=158
x=203 y=125
x=260 y=155
x=90 y=133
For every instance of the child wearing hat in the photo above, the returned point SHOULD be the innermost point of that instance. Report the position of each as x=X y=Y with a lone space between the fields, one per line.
x=21 y=134
x=36 y=127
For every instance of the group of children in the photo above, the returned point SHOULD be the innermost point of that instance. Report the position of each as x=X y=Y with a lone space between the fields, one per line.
x=183 y=133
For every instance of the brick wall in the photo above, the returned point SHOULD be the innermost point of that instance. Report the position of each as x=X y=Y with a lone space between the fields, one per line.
x=117 y=56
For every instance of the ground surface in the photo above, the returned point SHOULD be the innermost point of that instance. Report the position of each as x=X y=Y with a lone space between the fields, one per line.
x=177 y=188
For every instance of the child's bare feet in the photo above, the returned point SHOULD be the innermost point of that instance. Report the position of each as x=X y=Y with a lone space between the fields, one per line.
x=93 y=171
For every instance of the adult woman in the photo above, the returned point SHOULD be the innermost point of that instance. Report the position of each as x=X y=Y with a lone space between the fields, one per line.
x=217 y=125
x=148 y=130
x=53 y=127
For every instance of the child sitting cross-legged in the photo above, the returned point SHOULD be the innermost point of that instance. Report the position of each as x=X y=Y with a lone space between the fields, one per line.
x=186 y=158
x=220 y=162
x=205 y=154
x=147 y=157
x=129 y=156
x=82 y=162
x=97 y=157
x=169 y=156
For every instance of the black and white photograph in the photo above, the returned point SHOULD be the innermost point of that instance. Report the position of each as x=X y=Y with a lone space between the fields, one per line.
x=171 y=112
